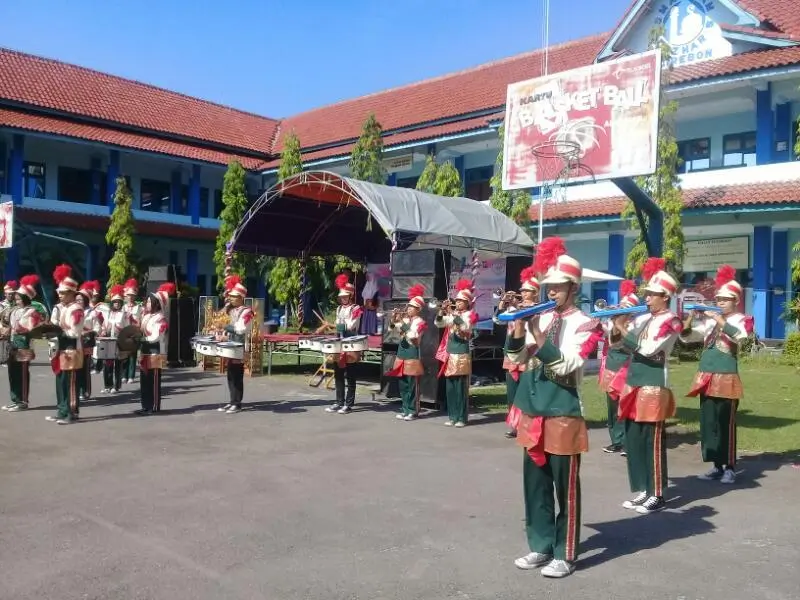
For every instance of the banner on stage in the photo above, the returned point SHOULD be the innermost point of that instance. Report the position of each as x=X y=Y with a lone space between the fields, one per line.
x=491 y=276
x=6 y=224
x=607 y=113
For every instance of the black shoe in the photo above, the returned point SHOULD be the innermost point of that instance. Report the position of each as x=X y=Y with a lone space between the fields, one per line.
x=651 y=505
x=623 y=453
x=143 y=412
x=613 y=448
x=511 y=434
x=333 y=408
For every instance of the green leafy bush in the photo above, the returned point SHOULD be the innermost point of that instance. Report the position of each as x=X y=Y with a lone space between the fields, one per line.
x=792 y=346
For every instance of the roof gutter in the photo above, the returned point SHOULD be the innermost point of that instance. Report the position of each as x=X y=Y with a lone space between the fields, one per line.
x=738 y=78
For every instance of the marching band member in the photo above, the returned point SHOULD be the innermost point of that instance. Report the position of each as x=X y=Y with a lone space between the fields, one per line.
x=717 y=381
x=646 y=401
x=101 y=311
x=529 y=290
x=134 y=311
x=10 y=289
x=153 y=346
x=408 y=366
x=116 y=320
x=454 y=352
x=241 y=317
x=22 y=319
x=613 y=368
x=348 y=319
x=68 y=360
x=548 y=416
x=92 y=322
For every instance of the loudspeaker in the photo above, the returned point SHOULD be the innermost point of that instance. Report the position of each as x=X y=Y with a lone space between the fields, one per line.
x=164 y=273
x=429 y=268
x=182 y=314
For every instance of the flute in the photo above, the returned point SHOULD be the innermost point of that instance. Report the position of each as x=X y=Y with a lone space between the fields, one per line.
x=702 y=307
x=525 y=313
x=615 y=312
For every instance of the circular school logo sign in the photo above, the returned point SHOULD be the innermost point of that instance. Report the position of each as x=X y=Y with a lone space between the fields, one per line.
x=684 y=21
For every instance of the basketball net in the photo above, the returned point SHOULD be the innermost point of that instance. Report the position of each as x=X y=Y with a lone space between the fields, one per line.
x=555 y=160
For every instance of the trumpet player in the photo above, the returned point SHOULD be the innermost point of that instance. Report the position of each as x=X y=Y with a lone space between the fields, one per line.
x=348 y=320
x=92 y=322
x=548 y=414
x=153 y=348
x=408 y=366
x=528 y=296
x=116 y=320
x=134 y=310
x=68 y=361
x=717 y=381
x=646 y=401
x=613 y=369
x=454 y=352
x=241 y=318
x=23 y=319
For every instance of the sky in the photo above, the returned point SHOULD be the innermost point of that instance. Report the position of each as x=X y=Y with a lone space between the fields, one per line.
x=279 y=58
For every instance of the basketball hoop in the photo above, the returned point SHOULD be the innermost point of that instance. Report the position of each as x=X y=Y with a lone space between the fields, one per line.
x=555 y=161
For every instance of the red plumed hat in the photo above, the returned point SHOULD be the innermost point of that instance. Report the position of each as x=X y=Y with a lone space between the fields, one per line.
x=463 y=284
x=11 y=285
x=27 y=285
x=652 y=266
x=627 y=287
x=341 y=280
x=725 y=274
x=231 y=281
x=547 y=254
x=61 y=272
x=31 y=280
x=527 y=273
x=417 y=290
x=167 y=288
x=116 y=291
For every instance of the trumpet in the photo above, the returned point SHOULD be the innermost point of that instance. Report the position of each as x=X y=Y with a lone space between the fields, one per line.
x=445 y=305
x=397 y=315
x=505 y=297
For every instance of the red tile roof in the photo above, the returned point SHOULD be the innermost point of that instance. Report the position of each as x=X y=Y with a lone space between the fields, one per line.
x=31 y=122
x=79 y=221
x=741 y=63
x=778 y=35
x=781 y=14
x=762 y=193
x=53 y=85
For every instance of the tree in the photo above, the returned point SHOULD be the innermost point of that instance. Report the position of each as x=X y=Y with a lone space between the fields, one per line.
x=514 y=204
x=291 y=157
x=234 y=201
x=448 y=181
x=120 y=236
x=366 y=160
x=663 y=185
x=427 y=179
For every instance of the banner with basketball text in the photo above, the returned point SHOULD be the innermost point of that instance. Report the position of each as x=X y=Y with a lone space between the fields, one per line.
x=593 y=123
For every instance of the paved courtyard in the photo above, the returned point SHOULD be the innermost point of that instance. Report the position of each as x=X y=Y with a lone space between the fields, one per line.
x=287 y=501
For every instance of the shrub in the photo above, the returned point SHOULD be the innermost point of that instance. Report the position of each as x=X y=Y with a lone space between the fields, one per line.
x=792 y=346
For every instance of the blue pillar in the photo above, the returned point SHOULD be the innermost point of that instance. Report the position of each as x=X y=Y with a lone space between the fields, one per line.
x=762 y=255
x=780 y=279
x=175 y=194
x=11 y=267
x=392 y=179
x=458 y=163
x=97 y=181
x=765 y=128
x=783 y=132
x=191 y=267
x=3 y=167
x=261 y=291
x=194 y=195
x=111 y=179
x=15 y=169
x=91 y=259
x=616 y=264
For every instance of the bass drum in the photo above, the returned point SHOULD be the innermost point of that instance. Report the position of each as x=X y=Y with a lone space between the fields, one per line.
x=5 y=351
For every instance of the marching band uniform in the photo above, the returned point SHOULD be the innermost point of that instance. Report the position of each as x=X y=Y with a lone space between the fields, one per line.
x=646 y=401
x=22 y=320
x=407 y=365
x=92 y=322
x=101 y=310
x=153 y=347
x=134 y=310
x=68 y=360
x=549 y=421
x=515 y=371
x=348 y=320
x=454 y=354
x=717 y=381
x=9 y=290
x=116 y=320
x=613 y=369
x=241 y=318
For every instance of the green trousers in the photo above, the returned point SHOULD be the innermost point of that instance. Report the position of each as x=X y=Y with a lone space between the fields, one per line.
x=112 y=374
x=646 y=446
x=456 y=394
x=67 y=395
x=718 y=430
x=129 y=367
x=150 y=387
x=512 y=386
x=409 y=393
x=19 y=381
x=85 y=378
x=547 y=532
x=616 y=428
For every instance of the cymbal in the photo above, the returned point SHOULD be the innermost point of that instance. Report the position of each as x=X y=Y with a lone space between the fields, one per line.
x=128 y=338
x=45 y=330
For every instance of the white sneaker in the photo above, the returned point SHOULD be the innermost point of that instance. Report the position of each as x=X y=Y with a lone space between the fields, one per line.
x=333 y=408
x=460 y=424
x=233 y=410
x=637 y=500
x=448 y=423
x=6 y=407
x=711 y=475
x=124 y=381
x=345 y=410
x=223 y=408
x=558 y=569
x=409 y=418
x=399 y=416
x=728 y=477
x=51 y=419
x=532 y=560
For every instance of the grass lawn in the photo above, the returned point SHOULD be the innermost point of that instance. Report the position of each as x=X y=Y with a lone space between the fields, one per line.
x=769 y=414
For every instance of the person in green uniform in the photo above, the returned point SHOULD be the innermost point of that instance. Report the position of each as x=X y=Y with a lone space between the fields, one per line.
x=548 y=414
x=22 y=319
x=408 y=366
x=717 y=381
x=454 y=352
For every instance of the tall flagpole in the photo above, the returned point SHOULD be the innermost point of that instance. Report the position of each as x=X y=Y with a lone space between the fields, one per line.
x=545 y=66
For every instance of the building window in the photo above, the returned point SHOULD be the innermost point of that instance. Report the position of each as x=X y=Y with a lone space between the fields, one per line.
x=218 y=206
x=154 y=195
x=739 y=150
x=477 y=183
x=33 y=180
x=696 y=154
x=75 y=185
x=204 y=202
x=408 y=182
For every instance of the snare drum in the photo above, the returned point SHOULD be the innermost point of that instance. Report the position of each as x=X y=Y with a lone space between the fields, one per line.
x=316 y=343
x=206 y=348
x=199 y=339
x=305 y=343
x=331 y=346
x=105 y=348
x=52 y=346
x=5 y=351
x=233 y=350
x=356 y=343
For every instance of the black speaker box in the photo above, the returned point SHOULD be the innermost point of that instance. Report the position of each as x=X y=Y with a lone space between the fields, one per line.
x=164 y=273
x=429 y=268
x=182 y=314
